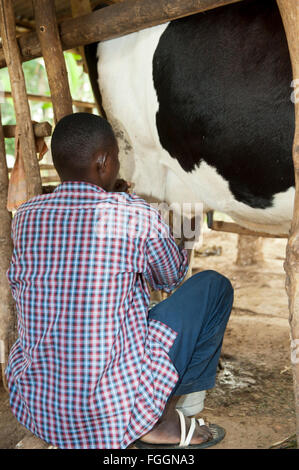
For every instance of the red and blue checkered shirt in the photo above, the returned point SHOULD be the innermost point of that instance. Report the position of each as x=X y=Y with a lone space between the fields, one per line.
x=88 y=369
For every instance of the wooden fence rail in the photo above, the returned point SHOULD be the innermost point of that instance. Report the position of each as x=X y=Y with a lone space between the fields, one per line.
x=114 y=21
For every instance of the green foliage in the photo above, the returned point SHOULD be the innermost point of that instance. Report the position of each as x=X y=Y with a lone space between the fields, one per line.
x=37 y=83
x=78 y=80
x=74 y=78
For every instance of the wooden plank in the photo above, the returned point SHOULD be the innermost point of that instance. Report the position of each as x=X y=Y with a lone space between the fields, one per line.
x=47 y=30
x=231 y=227
x=114 y=21
x=21 y=105
x=7 y=306
x=48 y=99
x=40 y=129
x=290 y=15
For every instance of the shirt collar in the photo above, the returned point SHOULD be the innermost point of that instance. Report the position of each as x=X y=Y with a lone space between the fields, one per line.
x=81 y=186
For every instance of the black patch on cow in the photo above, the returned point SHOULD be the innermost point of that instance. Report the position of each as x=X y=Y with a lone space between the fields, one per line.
x=223 y=82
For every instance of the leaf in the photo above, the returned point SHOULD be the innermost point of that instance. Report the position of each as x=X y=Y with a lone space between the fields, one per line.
x=47 y=105
x=72 y=68
x=4 y=79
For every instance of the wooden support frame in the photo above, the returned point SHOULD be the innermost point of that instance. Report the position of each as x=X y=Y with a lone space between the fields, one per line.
x=7 y=306
x=47 y=30
x=40 y=129
x=231 y=227
x=48 y=99
x=289 y=10
x=21 y=105
x=249 y=250
x=114 y=21
x=80 y=8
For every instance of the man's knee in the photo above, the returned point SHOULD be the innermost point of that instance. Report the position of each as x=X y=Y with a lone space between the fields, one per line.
x=213 y=276
x=220 y=289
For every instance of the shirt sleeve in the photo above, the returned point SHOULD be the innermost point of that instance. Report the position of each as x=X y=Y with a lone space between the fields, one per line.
x=166 y=264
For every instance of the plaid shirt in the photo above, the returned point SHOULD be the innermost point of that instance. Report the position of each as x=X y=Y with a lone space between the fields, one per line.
x=88 y=370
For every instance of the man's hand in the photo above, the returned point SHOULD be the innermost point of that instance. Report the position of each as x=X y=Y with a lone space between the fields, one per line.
x=122 y=186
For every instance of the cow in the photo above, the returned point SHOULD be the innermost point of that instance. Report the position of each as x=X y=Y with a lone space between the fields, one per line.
x=202 y=110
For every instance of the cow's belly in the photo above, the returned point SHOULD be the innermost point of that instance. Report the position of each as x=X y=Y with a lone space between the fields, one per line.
x=130 y=102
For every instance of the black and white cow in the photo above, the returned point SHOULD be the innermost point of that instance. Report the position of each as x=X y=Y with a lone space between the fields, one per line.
x=202 y=111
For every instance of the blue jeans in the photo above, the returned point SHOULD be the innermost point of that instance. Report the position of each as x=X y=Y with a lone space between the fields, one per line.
x=198 y=311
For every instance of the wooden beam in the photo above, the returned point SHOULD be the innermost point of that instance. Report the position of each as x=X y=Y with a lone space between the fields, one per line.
x=231 y=227
x=48 y=99
x=7 y=306
x=114 y=21
x=40 y=129
x=47 y=31
x=21 y=105
x=23 y=23
x=289 y=10
x=80 y=8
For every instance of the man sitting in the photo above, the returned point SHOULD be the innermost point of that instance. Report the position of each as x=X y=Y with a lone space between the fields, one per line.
x=93 y=367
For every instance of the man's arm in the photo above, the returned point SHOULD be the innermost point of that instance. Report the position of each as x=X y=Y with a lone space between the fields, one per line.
x=167 y=263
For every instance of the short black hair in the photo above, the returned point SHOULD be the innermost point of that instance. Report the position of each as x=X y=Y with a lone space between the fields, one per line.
x=75 y=140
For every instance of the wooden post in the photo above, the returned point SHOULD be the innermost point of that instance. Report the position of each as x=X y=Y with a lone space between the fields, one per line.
x=47 y=30
x=80 y=8
x=250 y=250
x=21 y=105
x=7 y=307
x=114 y=21
x=289 y=10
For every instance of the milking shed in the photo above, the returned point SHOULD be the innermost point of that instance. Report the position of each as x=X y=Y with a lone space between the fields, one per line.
x=46 y=28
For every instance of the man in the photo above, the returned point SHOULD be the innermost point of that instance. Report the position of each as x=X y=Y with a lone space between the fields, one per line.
x=92 y=367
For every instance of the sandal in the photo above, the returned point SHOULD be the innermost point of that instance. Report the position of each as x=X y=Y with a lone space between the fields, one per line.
x=217 y=431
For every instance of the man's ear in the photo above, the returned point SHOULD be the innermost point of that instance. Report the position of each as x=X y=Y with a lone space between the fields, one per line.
x=101 y=161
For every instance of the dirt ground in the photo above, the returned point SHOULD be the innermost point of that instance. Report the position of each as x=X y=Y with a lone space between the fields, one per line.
x=253 y=398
